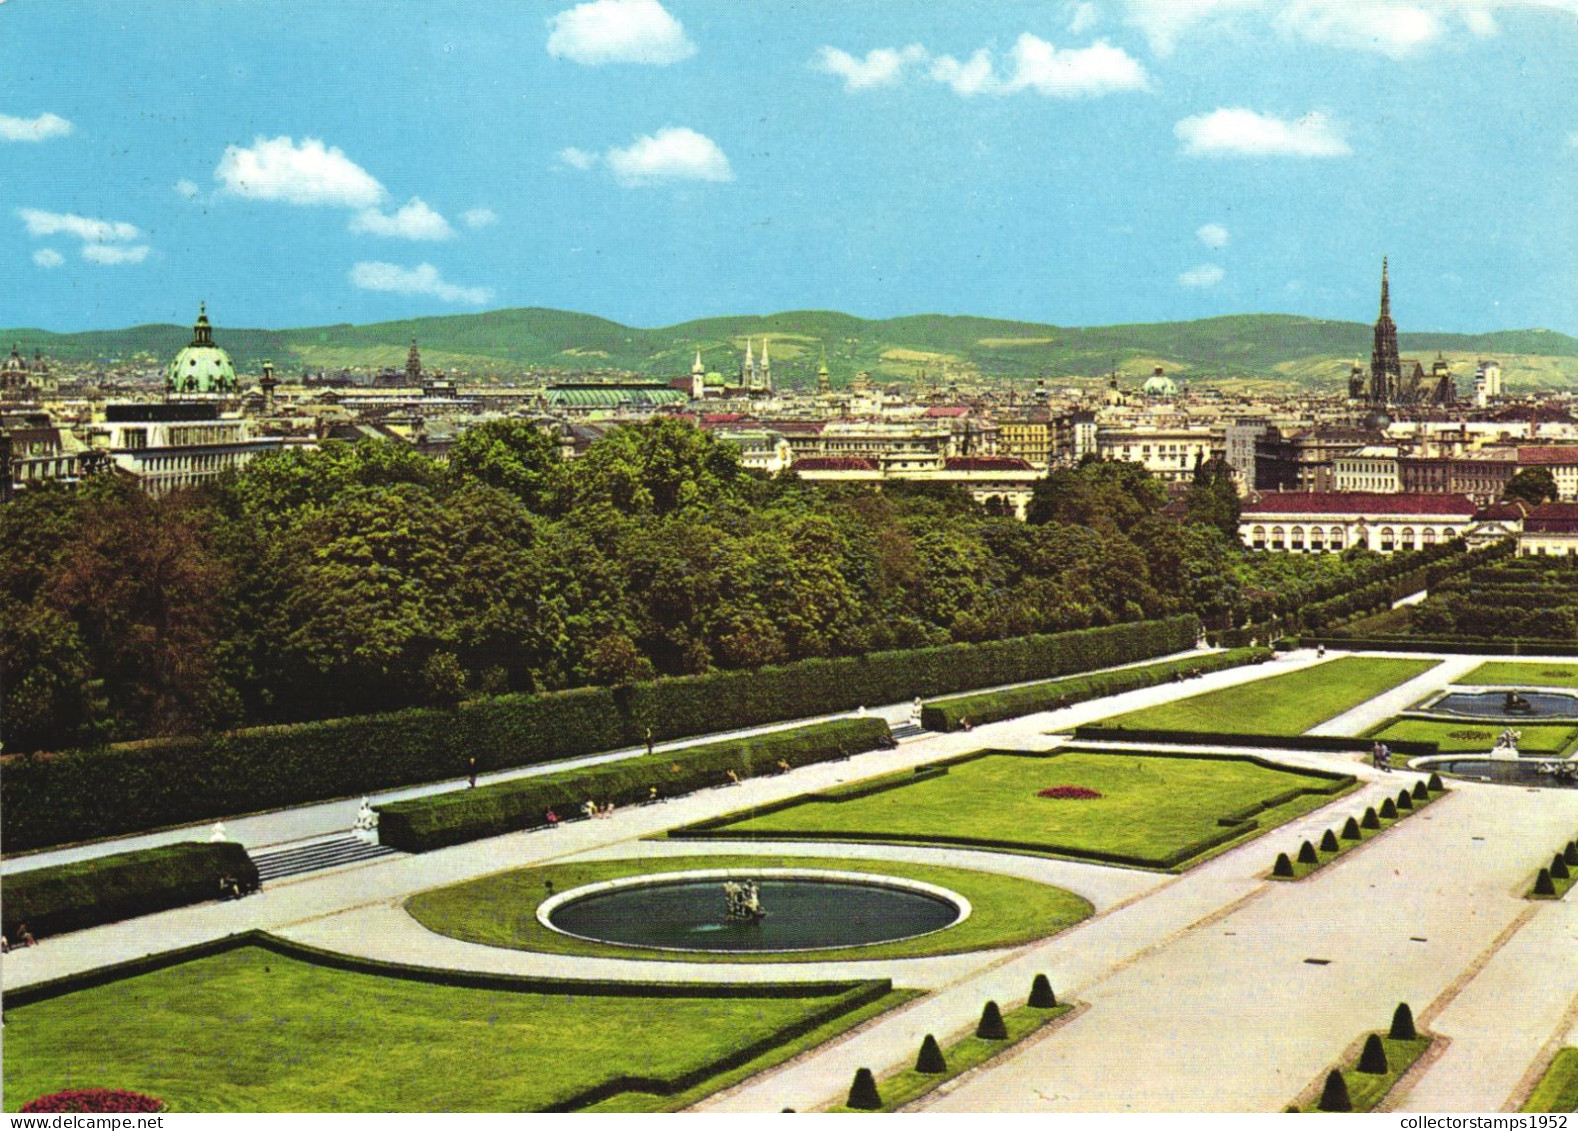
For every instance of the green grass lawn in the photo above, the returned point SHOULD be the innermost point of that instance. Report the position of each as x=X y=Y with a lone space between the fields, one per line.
x=1367 y=1089
x=252 y=1031
x=1285 y=705
x=1151 y=806
x=1558 y=1088
x=1526 y=673
x=1460 y=736
x=501 y=910
x=1322 y=857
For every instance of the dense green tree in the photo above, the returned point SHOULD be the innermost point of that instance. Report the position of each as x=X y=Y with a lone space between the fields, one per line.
x=513 y=455
x=656 y=467
x=1532 y=485
x=1109 y=493
x=1213 y=498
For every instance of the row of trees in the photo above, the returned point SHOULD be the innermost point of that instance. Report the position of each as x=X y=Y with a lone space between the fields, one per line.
x=356 y=578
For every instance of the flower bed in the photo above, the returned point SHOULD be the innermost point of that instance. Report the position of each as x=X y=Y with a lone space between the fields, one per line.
x=1070 y=793
x=115 y=1100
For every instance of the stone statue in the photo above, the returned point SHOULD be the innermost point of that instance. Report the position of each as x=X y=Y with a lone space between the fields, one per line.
x=218 y=836
x=743 y=901
x=366 y=826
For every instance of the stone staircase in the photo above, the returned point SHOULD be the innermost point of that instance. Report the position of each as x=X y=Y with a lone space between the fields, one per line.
x=299 y=859
x=907 y=729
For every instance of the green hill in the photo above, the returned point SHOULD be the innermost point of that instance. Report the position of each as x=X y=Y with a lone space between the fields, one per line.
x=1259 y=351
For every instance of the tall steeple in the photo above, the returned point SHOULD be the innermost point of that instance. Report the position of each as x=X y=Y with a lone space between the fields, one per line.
x=413 y=364
x=1386 y=368
x=748 y=370
x=824 y=380
x=696 y=367
x=766 y=369
x=202 y=332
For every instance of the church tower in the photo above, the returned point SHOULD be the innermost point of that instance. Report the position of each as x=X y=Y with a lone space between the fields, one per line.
x=413 y=365
x=1386 y=368
x=766 y=370
x=748 y=369
x=698 y=378
x=824 y=380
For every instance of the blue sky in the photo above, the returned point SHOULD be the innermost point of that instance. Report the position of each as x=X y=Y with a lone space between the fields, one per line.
x=299 y=163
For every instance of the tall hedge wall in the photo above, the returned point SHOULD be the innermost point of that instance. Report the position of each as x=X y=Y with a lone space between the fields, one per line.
x=1051 y=695
x=424 y=823
x=69 y=897
x=53 y=799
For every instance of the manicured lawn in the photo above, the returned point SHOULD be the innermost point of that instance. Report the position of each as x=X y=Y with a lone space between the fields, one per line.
x=1558 y=1088
x=1284 y=705
x=1151 y=807
x=250 y=1030
x=1367 y=1089
x=1526 y=673
x=1457 y=737
x=501 y=910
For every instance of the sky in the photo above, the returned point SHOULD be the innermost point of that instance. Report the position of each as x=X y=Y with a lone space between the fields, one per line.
x=297 y=163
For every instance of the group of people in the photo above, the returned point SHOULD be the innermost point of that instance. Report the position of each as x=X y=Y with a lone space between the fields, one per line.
x=1186 y=673
x=592 y=811
x=24 y=937
x=1381 y=754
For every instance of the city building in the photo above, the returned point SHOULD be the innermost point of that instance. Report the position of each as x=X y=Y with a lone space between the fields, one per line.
x=166 y=447
x=1552 y=529
x=1170 y=454
x=1316 y=522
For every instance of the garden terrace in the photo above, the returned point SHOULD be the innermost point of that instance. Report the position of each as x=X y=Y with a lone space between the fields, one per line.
x=1465 y=736
x=1284 y=705
x=501 y=910
x=256 y=1024
x=1159 y=811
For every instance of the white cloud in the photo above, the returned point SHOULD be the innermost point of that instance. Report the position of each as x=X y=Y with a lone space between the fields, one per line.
x=1237 y=132
x=187 y=189
x=109 y=254
x=415 y=221
x=309 y=173
x=574 y=158
x=423 y=279
x=671 y=154
x=1034 y=64
x=1205 y=275
x=95 y=231
x=41 y=128
x=882 y=66
x=1086 y=16
x=48 y=257
x=479 y=217
x=1395 y=28
x=618 y=31
x=1212 y=235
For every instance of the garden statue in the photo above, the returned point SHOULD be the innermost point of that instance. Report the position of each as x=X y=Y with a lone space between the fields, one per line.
x=743 y=901
x=366 y=826
x=218 y=835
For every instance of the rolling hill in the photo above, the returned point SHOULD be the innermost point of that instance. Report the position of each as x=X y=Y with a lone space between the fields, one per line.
x=1250 y=351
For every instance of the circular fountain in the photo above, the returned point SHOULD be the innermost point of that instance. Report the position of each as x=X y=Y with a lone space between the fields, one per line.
x=1500 y=705
x=768 y=910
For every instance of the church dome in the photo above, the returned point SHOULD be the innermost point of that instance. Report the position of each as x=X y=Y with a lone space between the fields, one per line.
x=201 y=367
x=14 y=363
x=1160 y=385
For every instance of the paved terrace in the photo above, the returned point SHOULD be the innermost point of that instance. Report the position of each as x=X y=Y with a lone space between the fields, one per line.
x=1205 y=973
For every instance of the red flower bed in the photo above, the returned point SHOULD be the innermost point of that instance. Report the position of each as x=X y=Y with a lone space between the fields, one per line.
x=95 y=1100
x=1070 y=793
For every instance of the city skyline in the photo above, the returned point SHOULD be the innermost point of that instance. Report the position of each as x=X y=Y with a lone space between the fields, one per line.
x=1067 y=163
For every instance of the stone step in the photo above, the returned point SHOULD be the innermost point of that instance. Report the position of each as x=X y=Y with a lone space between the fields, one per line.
x=908 y=730
x=285 y=862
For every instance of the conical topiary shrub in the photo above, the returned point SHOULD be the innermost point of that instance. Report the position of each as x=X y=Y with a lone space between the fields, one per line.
x=1373 y=1058
x=1371 y=821
x=863 y=1094
x=991 y=1027
x=1570 y=853
x=1350 y=830
x=930 y=1061
x=1434 y=784
x=1388 y=810
x=1041 y=995
x=1559 y=868
x=1543 y=884
x=1334 y=1096
x=1403 y=1024
x=1283 y=867
x=1307 y=854
x=1420 y=792
x=1328 y=843
x=1404 y=800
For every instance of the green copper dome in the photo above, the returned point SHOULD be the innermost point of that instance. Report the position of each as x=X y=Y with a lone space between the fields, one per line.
x=201 y=367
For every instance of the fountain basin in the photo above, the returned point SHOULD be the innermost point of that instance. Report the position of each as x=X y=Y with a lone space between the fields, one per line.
x=806 y=910
x=1488 y=704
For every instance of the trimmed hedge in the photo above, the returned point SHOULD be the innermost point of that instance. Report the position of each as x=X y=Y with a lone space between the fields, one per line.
x=106 y=889
x=60 y=798
x=425 y=823
x=1052 y=695
x=1467 y=645
x=1097 y=732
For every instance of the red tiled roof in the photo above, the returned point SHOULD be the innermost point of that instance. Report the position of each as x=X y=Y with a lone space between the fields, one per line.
x=1552 y=518
x=1502 y=512
x=833 y=463
x=723 y=418
x=948 y=410
x=1358 y=502
x=987 y=463
x=1547 y=457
